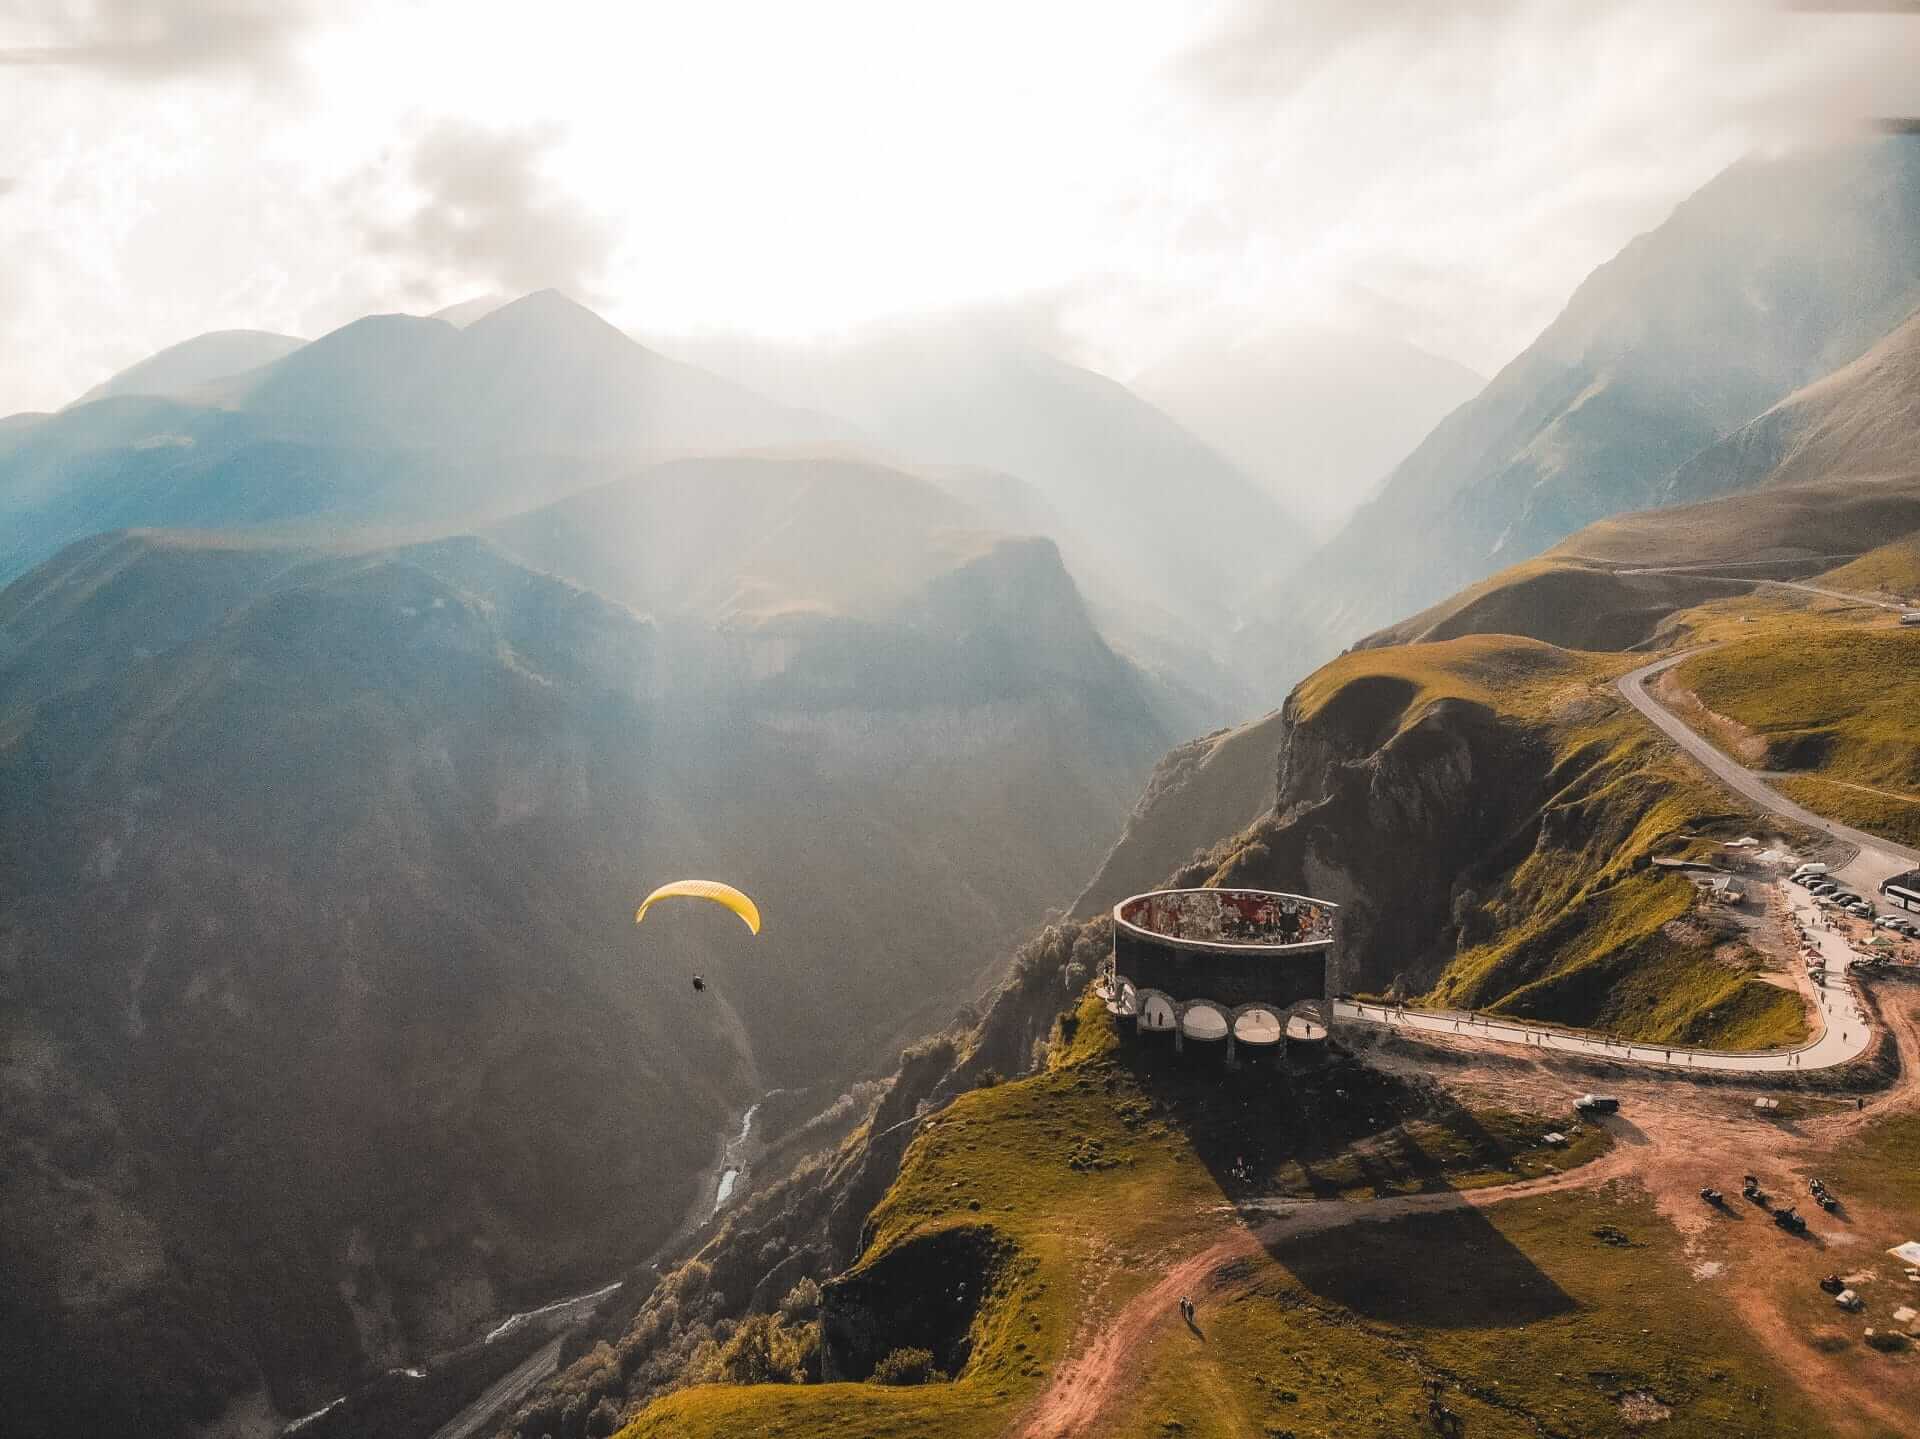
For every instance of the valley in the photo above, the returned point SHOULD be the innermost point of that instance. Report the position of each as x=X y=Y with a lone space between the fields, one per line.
x=1294 y=885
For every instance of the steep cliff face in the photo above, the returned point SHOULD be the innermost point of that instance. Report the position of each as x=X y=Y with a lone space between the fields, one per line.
x=1486 y=810
x=1394 y=812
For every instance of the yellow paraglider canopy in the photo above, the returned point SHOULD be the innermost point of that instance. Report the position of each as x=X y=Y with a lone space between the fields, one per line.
x=711 y=889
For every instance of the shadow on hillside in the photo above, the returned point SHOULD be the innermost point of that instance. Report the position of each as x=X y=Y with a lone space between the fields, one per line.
x=1250 y=1124
x=1444 y=1269
x=1338 y=1128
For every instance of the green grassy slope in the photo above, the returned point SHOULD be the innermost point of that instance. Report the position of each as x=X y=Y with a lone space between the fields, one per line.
x=1585 y=592
x=1099 y=1172
x=1892 y=568
x=1561 y=918
x=1832 y=698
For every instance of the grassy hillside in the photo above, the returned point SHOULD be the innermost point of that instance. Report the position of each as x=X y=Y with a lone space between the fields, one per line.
x=1076 y=1189
x=1891 y=569
x=1574 y=604
x=1591 y=591
x=1547 y=908
x=1832 y=701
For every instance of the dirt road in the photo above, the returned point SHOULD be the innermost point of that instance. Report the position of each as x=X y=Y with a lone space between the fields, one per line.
x=1673 y=1142
x=1087 y=1383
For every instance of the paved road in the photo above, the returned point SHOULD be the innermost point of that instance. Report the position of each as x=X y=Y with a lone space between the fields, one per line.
x=1876 y=858
x=1695 y=572
x=504 y=1393
x=1843 y=1031
x=1844 y=1035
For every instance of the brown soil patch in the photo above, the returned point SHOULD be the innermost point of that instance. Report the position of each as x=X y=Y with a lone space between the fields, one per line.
x=1727 y=733
x=1680 y=1138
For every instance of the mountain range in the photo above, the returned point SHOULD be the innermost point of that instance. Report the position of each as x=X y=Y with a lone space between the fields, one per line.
x=352 y=691
x=1318 y=416
x=1772 y=276
x=319 y=875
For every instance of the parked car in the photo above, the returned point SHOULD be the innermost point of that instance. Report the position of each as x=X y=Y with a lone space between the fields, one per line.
x=1597 y=1104
x=1860 y=909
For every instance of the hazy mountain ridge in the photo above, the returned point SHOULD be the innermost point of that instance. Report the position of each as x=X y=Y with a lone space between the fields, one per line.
x=1773 y=274
x=313 y=860
x=753 y=537
x=1142 y=494
x=389 y=420
x=179 y=371
x=540 y=374
x=1320 y=417
x=1859 y=423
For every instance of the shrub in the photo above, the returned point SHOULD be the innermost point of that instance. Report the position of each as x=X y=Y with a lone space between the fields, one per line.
x=802 y=1301
x=907 y=1366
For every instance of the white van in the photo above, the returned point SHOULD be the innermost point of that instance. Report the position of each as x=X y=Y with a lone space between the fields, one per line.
x=1807 y=871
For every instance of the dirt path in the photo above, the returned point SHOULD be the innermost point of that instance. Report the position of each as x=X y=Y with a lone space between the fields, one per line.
x=1671 y=1141
x=1088 y=1382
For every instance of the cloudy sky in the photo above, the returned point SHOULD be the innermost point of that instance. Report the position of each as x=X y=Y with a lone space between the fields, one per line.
x=1147 y=176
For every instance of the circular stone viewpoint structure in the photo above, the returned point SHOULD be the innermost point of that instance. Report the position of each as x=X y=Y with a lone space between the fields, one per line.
x=1244 y=965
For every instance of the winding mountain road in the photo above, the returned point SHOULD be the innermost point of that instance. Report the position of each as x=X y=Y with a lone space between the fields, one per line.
x=1696 y=572
x=1844 y=1030
x=1877 y=858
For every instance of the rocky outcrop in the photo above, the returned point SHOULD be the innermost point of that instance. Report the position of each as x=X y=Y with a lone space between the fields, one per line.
x=1394 y=823
x=921 y=1294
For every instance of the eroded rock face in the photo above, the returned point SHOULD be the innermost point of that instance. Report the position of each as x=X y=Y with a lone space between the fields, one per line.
x=922 y=1294
x=1392 y=824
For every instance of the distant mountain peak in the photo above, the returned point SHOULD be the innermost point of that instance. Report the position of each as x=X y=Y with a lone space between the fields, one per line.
x=179 y=370
x=465 y=312
x=547 y=307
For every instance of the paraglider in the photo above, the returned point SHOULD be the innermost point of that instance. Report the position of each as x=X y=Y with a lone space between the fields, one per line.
x=713 y=890
x=709 y=889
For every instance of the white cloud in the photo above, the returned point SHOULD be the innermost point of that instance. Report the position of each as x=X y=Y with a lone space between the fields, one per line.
x=1158 y=171
x=482 y=212
x=145 y=40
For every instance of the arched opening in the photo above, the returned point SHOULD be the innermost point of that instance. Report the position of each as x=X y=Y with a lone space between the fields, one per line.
x=1156 y=1011
x=1308 y=1022
x=1257 y=1024
x=1203 y=1020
